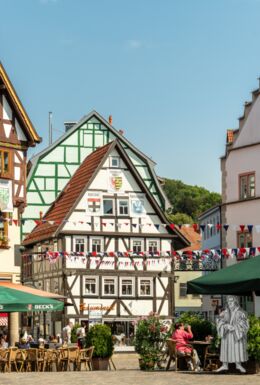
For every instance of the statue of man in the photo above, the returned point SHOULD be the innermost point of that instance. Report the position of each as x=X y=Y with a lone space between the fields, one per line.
x=232 y=327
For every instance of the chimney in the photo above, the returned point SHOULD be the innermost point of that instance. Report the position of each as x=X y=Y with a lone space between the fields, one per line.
x=121 y=132
x=110 y=119
x=68 y=125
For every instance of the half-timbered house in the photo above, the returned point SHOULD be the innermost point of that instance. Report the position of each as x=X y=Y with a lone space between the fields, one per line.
x=17 y=134
x=105 y=244
x=51 y=169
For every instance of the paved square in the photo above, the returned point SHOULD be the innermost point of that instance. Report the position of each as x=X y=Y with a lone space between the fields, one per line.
x=127 y=373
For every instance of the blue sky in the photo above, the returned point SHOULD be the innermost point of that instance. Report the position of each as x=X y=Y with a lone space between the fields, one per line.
x=173 y=73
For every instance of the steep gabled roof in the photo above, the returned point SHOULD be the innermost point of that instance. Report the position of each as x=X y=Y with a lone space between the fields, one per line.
x=60 y=208
x=27 y=124
x=77 y=186
x=95 y=114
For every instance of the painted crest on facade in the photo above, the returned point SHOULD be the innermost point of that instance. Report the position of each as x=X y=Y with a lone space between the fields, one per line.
x=116 y=181
x=6 y=196
x=93 y=203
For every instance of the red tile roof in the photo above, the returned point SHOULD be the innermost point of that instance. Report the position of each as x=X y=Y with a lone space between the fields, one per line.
x=193 y=237
x=68 y=196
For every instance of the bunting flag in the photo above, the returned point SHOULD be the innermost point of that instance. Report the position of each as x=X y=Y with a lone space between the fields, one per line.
x=206 y=256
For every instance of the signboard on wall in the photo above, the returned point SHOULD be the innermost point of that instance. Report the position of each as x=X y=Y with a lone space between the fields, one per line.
x=137 y=205
x=115 y=181
x=6 y=201
x=93 y=203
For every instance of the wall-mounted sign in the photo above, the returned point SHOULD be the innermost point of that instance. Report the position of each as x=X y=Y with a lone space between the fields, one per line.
x=115 y=180
x=93 y=203
x=6 y=201
x=137 y=205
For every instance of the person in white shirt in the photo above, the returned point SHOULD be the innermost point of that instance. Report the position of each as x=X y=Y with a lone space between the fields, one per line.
x=66 y=332
x=81 y=334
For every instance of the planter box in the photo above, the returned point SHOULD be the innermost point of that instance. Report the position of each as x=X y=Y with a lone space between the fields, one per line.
x=252 y=366
x=100 y=363
x=146 y=365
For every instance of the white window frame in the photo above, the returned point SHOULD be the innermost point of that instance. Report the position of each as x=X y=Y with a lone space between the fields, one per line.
x=117 y=158
x=140 y=279
x=139 y=240
x=118 y=207
x=113 y=205
x=153 y=240
x=132 y=279
x=84 y=285
x=91 y=239
x=115 y=283
x=74 y=243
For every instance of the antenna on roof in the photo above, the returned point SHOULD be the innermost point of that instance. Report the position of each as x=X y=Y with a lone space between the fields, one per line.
x=50 y=128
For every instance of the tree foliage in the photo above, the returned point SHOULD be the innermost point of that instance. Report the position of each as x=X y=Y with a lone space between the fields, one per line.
x=189 y=200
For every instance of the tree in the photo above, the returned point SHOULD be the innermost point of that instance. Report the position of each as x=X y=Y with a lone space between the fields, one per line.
x=189 y=200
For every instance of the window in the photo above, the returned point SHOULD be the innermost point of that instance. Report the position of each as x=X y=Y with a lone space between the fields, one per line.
x=145 y=287
x=96 y=245
x=183 y=290
x=137 y=246
x=123 y=207
x=114 y=161
x=127 y=286
x=109 y=286
x=152 y=247
x=3 y=230
x=247 y=186
x=79 y=245
x=5 y=163
x=90 y=286
x=108 y=206
x=244 y=239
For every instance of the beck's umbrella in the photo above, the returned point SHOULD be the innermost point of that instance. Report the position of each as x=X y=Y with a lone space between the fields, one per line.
x=242 y=278
x=12 y=300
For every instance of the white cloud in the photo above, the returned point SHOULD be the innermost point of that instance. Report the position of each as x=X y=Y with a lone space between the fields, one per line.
x=135 y=44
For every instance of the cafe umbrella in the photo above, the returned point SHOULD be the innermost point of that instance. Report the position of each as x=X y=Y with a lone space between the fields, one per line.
x=12 y=300
x=242 y=278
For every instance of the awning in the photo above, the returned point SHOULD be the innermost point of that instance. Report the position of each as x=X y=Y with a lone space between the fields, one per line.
x=12 y=300
x=242 y=278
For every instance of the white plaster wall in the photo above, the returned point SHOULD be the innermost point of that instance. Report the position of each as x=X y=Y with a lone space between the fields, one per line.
x=7 y=266
x=242 y=213
x=251 y=129
x=188 y=301
x=239 y=162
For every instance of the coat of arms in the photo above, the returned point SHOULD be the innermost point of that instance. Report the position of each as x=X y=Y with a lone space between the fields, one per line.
x=116 y=182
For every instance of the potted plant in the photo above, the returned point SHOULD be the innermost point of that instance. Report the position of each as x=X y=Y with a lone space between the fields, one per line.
x=253 y=345
x=100 y=337
x=149 y=336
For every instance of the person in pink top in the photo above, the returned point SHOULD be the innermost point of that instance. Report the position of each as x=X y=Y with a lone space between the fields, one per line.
x=182 y=337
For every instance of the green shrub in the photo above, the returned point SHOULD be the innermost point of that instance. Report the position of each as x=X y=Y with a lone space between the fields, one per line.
x=74 y=337
x=200 y=327
x=100 y=337
x=253 y=338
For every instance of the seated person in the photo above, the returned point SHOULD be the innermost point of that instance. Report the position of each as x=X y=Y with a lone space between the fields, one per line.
x=23 y=344
x=3 y=342
x=183 y=348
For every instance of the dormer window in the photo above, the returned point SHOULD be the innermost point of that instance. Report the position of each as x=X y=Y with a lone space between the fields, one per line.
x=114 y=162
x=5 y=164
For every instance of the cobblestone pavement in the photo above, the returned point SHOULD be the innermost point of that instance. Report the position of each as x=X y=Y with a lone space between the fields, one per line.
x=127 y=373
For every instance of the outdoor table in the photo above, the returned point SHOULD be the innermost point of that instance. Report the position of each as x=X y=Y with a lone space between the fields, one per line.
x=203 y=344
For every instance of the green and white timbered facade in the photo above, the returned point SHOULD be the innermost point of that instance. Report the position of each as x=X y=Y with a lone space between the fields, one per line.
x=52 y=168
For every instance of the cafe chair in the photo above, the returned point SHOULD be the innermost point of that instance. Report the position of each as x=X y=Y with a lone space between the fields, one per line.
x=69 y=356
x=21 y=357
x=35 y=359
x=4 y=359
x=211 y=359
x=51 y=360
x=173 y=354
x=85 y=357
